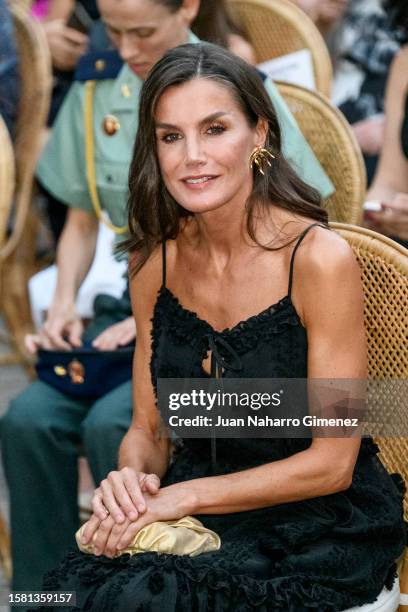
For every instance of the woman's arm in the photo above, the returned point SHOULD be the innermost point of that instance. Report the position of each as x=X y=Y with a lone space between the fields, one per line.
x=144 y=452
x=146 y=445
x=73 y=264
x=390 y=184
x=392 y=173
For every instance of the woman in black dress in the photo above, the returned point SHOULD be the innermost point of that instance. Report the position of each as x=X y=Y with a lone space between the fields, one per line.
x=305 y=524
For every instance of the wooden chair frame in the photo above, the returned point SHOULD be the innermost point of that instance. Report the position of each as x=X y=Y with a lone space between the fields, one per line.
x=338 y=151
x=278 y=27
x=17 y=251
x=384 y=265
x=7 y=182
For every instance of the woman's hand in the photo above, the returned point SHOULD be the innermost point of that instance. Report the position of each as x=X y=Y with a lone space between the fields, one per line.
x=108 y=537
x=66 y=44
x=62 y=330
x=119 y=334
x=171 y=503
x=392 y=220
x=120 y=495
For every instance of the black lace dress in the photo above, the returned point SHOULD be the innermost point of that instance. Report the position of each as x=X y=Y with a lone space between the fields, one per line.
x=324 y=554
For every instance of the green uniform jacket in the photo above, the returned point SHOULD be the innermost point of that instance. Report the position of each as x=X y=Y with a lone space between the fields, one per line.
x=62 y=168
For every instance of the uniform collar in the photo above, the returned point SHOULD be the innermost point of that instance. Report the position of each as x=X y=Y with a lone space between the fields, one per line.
x=127 y=86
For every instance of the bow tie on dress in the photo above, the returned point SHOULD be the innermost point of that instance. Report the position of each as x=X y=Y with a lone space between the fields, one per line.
x=218 y=364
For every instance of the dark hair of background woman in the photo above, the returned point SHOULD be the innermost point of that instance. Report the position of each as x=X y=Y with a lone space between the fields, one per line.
x=398 y=13
x=154 y=215
x=213 y=24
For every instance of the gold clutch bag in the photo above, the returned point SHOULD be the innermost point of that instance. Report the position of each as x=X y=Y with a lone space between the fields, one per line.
x=186 y=536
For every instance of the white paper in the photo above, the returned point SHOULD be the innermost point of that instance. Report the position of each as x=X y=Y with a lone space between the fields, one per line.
x=294 y=68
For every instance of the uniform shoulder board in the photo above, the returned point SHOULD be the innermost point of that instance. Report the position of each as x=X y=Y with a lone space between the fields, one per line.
x=98 y=65
x=263 y=75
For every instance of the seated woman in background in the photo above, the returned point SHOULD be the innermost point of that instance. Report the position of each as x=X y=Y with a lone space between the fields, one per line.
x=214 y=25
x=221 y=227
x=325 y=13
x=390 y=184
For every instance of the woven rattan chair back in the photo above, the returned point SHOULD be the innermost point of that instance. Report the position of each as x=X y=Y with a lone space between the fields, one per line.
x=336 y=148
x=35 y=92
x=384 y=266
x=17 y=252
x=278 y=27
x=6 y=195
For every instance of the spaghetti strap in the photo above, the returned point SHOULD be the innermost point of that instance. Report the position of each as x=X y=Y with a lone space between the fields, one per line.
x=164 y=263
x=292 y=259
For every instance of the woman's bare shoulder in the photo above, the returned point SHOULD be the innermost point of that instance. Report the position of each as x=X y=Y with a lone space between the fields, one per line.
x=327 y=279
x=326 y=266
x=325 y=252
x=146 y=282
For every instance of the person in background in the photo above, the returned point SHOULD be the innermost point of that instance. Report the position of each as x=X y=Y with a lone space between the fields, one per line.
x=390 y=184
x=325 y=13
x=71 y=28
x=66 y=44
x=43 y=429
x=213 y=24
x=9 y=76
x=363 y=48
x=362 y=44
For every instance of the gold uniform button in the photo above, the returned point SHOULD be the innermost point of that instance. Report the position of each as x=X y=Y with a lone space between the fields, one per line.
x=125 y=90
x=60 y=370
x=100 y=65
x=111 y=125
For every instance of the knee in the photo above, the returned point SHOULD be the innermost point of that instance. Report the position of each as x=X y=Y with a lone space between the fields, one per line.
x=106 y=422
x=99 y=427
x=18 y=418
x=26 y=417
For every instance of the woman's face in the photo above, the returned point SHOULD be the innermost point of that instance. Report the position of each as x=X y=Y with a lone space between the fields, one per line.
x=143 y=30
x=204 y=143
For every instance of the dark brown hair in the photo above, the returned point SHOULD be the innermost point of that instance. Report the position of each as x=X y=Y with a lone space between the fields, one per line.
x=213 y=23
x=154 y=215
x=397 y=11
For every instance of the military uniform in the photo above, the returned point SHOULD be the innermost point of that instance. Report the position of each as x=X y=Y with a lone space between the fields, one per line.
x=43 y=428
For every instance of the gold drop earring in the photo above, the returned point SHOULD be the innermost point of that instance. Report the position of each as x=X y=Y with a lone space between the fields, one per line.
x=259 y=156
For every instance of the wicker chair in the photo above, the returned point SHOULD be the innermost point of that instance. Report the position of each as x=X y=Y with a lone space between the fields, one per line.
x=336 y=148
x=384 y=266
x=18 y=250
x=7 y=182
x=278 y=27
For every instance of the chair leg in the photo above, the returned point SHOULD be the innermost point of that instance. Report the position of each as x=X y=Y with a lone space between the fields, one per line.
x=5 y=554
x=16 y=307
